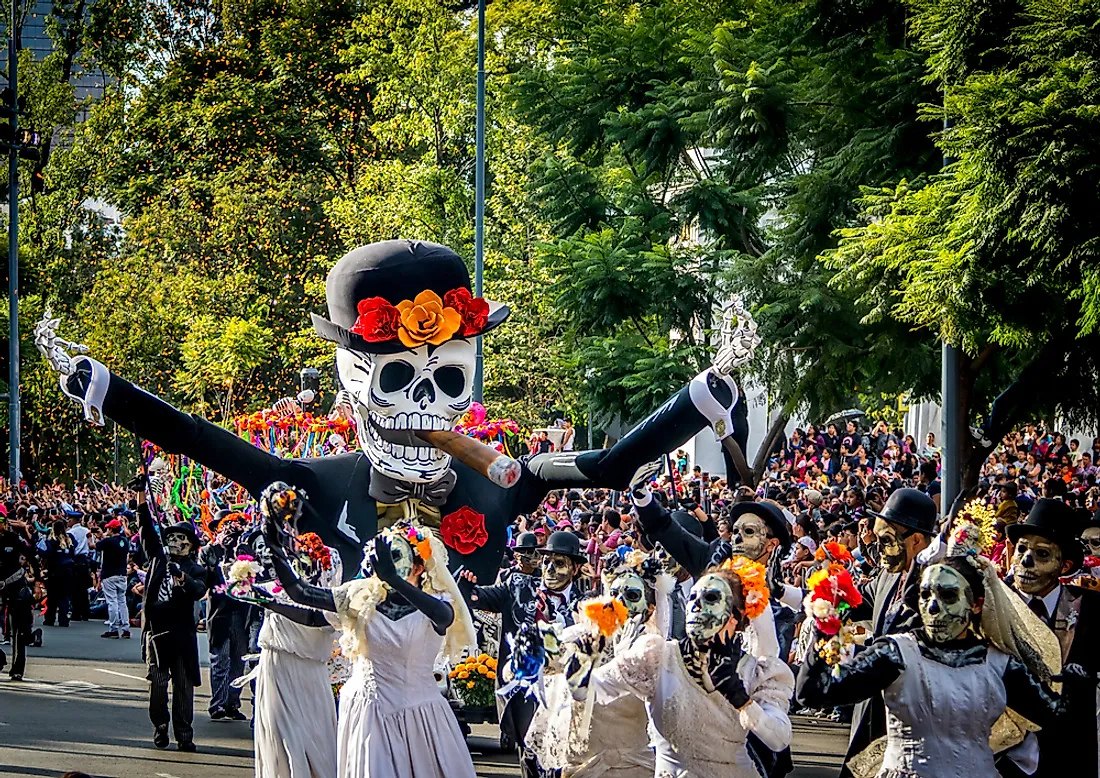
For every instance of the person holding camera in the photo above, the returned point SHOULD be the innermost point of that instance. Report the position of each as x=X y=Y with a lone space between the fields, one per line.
x=174 y=582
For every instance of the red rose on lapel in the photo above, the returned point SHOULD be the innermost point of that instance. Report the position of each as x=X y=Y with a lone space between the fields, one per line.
x=464 y=530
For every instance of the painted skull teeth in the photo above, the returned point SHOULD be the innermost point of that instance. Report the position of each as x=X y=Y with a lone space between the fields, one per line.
x=411 y=421
x=425 y=454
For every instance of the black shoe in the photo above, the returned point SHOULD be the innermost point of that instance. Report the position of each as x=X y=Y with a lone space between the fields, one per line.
x=236 y=715
x=218 y=715
x=36 y=638
x=188 y=747
x=110 y=634
x=16 y=676
x=160 y=737
x=64 y=625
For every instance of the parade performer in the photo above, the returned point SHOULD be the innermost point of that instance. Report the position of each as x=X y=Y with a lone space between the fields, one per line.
x=294 y=711
x=706 y=693
x=522 y=600
x=15 y=594
x=609 y=740
x=393 y=721
x=945 y=684
x=227 y=620
x=1046 y=547
x=174 y=582
x=404 y=322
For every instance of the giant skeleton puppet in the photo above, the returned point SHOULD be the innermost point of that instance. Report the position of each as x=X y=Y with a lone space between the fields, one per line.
x=404 y=322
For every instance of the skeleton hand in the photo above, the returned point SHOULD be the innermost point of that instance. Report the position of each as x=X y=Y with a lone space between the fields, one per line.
x=737 y=343
x=287 y=407
x=280 y=506
x=343 y=406
x=53 y=348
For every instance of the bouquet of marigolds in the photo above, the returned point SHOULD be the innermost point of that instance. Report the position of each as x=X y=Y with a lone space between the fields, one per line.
x=475 y=680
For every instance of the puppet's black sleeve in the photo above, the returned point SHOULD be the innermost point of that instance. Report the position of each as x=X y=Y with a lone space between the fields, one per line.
x=182 y=433
x=692 y=553
x=864 y=676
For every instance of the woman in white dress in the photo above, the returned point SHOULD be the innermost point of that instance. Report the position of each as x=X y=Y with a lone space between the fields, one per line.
x=294 y=709
x=393 y=722
x=945 y=685
x=706 y=693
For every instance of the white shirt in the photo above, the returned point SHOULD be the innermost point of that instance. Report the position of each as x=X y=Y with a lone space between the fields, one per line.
x=80 y=539
x=1051 y=600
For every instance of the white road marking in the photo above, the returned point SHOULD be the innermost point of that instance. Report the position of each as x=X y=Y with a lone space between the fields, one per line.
x=122 y=675
x=165 y=775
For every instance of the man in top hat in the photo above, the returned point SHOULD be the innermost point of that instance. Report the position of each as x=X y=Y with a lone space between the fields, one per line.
x=174 y=582
x=1046 y=546
x=405 y=322
x=522 y=600
x=525 y=554
x=903 y=528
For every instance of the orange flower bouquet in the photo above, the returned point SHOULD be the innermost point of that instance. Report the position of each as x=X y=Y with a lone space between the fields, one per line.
x=832 y=596
x=475 y=680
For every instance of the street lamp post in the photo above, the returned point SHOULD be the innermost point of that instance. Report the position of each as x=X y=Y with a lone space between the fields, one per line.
x=479 y=195
x=14 y=410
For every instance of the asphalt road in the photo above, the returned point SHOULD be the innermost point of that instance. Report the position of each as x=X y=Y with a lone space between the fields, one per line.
x=83 y=707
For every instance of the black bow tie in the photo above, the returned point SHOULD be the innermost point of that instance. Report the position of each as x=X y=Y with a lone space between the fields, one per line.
x=390 y=491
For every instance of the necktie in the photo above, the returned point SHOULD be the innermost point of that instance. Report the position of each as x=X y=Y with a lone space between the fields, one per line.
x=1039 y=608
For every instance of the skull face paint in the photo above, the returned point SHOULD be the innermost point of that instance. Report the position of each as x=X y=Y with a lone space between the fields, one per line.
x=178 y=544
x=630 y=591
x=1091 y=540
x=1036 y=564
x=891 y=542
x=709 y=607
x=263 y=552
x=750 y=536
x=558 y=571
x=423 y=388
x=946 y=603
x=665 y=561
x=403 y=557
x=528 y=562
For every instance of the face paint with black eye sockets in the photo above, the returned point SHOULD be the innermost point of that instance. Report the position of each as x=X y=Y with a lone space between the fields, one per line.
x=946 y=602
x=557 y=571
x=750 y=536
x=709 y=607
x=1036 y=564
x=630 y=591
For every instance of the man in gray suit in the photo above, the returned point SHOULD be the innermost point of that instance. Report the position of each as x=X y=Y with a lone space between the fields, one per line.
x=903 y=529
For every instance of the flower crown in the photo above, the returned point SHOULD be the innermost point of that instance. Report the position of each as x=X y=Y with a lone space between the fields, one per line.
x=754 y=583
x=417 y=537
x=426 y=319
x=973 y=532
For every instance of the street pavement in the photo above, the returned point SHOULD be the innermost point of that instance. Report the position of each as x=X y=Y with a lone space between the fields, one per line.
x=83 y=706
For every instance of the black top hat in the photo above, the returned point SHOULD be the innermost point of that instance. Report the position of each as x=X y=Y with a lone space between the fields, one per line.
x=184 y=528
x=1055 y=521
x=910 y=508
x=394 y=295
x=564 y=543
x=526 y=541
x=772 y=516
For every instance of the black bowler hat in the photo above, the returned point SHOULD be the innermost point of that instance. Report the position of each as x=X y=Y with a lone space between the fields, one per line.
x=772 y=515
x=688 y=522
x=374 y=293
x=526 y=541
x=1055 y=521
x=910 y=508
x=564 y=543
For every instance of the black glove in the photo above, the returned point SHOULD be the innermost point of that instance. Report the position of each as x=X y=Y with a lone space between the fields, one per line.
x=137 y=483
x=380 y=559
x=720 y=552
x=722 y=661
x=174 y=570
x=1078 y=681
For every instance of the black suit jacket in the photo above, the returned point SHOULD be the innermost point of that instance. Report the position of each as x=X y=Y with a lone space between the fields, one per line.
x=341 y=510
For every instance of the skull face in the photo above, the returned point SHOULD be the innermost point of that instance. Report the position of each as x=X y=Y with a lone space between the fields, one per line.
x=890 y=540
x=1091 y=540
x=630 y=591
x=427 y=388
x=946 y=603
x=750 y=536
x=178 y=544
x=1036 y=564
x=665 y=560
x=558 y=571
x=263 y=552
x=403 y=557
x=710 y=605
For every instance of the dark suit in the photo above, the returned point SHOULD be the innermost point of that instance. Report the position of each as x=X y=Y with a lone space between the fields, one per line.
x=1071 y=747
x=889 y=612
x=341 y=510
x=517 y=600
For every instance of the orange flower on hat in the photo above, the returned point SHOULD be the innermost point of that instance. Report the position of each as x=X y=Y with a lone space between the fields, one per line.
x=426 y=320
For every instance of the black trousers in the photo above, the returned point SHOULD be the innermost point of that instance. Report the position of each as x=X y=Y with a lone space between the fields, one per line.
x=183 y=698
x=16 y=601
x=515 y=721
x=82 y=579
x=59 y=585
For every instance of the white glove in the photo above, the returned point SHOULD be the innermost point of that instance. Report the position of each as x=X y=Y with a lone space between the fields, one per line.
x=81 y=378
x=713 y=392
x=53 y=348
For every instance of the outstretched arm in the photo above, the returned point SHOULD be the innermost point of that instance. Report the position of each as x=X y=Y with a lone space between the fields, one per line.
x=307 y=617
x=691 y=552
x=316 y=597
x=150 y=540
x=867 y=674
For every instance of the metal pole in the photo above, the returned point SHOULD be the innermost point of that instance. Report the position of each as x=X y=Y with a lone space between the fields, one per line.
x=479 y=194
x=14 y=410
x=114 y=464
x=953 y=424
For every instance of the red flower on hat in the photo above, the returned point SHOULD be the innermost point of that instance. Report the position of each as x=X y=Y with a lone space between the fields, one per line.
x=464 y=530
x=474 y=310
x=378 y=320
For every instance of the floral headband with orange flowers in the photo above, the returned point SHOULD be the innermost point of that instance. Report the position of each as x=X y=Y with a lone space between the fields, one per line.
x=427 y=319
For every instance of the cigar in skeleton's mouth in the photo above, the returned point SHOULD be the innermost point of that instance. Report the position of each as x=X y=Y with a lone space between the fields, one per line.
x=498 y=468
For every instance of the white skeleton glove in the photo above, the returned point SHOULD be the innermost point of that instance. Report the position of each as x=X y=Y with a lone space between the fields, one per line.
x=81 y=378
